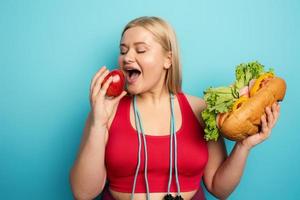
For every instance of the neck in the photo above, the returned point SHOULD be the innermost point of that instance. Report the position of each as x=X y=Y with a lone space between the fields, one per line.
x=155 y=97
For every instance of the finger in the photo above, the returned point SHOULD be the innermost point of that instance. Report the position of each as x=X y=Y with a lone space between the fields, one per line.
x=103 y=89
x=118 y=98
x=270 y=117
x=276 y=112
x=102 y=69
x=275 y=109
x=274 y=106
x=98 y=84
x=278 y=108
x=95 y=78
x=264 y=127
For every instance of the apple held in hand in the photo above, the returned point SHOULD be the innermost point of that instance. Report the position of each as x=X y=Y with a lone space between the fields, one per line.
x=118 y=83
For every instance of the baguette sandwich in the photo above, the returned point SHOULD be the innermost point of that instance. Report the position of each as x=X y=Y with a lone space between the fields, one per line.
x=235 y=111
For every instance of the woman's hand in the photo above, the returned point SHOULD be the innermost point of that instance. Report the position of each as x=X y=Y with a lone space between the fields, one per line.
x=268 y=120
x=101 y=105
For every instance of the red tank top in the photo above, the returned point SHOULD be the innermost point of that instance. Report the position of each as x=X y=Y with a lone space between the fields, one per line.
x=121 y=153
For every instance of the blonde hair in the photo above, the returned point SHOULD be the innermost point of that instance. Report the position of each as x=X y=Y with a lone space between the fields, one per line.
x=165 y=35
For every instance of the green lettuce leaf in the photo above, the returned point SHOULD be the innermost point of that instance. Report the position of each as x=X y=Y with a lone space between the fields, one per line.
x=246 y=72
x=211 y=130
x=218 y=100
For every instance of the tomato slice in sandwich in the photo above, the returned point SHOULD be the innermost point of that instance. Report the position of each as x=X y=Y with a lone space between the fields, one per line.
x=258 y=83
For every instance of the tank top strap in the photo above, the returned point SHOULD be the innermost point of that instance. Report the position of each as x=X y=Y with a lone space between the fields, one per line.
x=184 y=104
x=122 y=113
x=186 y=109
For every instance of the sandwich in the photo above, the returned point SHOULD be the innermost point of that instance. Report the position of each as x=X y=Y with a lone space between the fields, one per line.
x=235 y=111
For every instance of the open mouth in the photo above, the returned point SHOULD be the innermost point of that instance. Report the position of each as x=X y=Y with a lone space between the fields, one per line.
x=132 y=75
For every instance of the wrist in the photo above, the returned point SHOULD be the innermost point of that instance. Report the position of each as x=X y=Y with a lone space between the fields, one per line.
x=97 y=124
x=243 y=146
x=97 y=131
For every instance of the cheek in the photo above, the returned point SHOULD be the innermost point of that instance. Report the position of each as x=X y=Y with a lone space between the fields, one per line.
x=120 y=60
x=152 y=62
x=152 y=69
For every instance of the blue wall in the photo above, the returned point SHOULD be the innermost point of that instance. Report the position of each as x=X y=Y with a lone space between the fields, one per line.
x=50 y=50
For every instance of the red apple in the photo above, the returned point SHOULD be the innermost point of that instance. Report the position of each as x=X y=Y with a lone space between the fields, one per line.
x=118 y=83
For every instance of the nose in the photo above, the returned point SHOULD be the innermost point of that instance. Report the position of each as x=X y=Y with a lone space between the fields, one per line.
x=129 y=57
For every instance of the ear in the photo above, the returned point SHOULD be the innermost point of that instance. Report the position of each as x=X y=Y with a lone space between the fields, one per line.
x=168 y=60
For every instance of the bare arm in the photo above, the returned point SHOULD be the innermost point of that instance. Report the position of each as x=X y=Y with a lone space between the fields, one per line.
x=223 y=173
x=88 y=175
x=221 y=178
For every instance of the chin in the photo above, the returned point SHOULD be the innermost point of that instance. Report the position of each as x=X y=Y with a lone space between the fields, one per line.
x=132 y=91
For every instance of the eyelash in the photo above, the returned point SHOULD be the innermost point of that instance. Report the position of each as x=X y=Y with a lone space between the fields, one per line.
x=138 y=51
x=141 y=51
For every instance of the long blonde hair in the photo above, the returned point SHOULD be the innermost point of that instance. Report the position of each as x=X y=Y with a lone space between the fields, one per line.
x=165 y=35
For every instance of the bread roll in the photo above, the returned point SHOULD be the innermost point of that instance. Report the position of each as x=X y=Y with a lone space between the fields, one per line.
x=246 y=120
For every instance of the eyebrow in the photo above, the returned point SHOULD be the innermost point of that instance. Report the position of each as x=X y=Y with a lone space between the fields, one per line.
x=135 y=44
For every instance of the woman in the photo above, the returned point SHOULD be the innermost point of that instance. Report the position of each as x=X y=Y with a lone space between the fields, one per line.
x=149 y=143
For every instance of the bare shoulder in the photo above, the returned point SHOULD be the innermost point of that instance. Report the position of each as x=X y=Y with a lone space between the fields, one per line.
x=198 y=105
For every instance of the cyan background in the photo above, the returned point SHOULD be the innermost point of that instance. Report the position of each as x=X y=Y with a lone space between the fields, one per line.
x=50 y=50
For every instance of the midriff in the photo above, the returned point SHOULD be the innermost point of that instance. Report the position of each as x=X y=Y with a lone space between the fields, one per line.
x=153 y=196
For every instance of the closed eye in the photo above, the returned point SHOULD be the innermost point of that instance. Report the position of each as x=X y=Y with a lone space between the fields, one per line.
x=141 y=51
x=123 y=49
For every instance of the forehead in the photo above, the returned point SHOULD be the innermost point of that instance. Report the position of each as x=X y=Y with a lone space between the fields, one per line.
x=136 y=35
